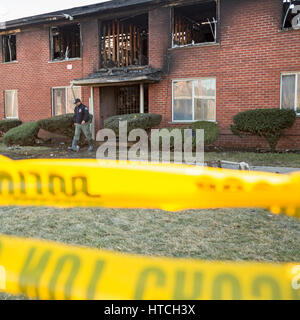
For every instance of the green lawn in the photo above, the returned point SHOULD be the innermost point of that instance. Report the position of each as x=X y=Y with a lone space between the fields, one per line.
x=254 y=159
x=223 y=234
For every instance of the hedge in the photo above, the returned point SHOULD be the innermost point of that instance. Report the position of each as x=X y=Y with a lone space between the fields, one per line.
x=23 y=135
x=266 y=123
x=63 y=124
x=134 y=121
x=7 y=124
x=211 y=131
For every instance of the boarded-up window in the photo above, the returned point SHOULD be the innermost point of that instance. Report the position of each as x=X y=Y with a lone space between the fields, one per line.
x=194 y=100
x=63 y=100
x=11 y=104
x=290 y=92
x=9 y=48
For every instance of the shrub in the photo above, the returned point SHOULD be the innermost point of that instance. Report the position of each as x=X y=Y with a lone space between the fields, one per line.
x=7 y=124
x=266 y=123
x=211 y=131
x=63 y=124
x=134 y=121
x=23 y=135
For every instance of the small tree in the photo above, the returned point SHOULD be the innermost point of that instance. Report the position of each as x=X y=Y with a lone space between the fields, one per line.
x=266 y=123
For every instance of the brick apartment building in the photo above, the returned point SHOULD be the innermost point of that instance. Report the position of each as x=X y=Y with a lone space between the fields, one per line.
x=186 y=60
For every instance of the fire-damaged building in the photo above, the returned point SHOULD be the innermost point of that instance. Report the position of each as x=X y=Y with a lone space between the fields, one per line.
x=187 y=60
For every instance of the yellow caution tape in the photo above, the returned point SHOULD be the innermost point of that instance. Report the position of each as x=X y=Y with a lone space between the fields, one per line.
x=93 y=183
x=48 y=270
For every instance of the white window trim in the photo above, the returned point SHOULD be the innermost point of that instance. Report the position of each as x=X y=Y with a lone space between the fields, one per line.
x=12 y=118
x=52 y=96
x=297 y=75
x=193 y=102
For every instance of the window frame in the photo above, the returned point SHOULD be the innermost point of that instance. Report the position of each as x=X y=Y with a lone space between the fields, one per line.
x=66 y=96
x=52 y=47
x=296 y=74
x=5 y=104
x=193 y=99
x=217 y=40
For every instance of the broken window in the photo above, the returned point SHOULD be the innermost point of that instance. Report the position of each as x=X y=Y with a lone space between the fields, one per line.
x=194 y=100
x=124 y=42
x=63 y=100
x=290 y=91
x=9 y=48
x=291 y=14
x=65 y=42
x=11 y=104
x=195 y=24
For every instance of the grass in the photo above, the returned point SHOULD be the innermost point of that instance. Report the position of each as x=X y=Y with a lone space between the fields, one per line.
x=227 y=234
x=253 y=158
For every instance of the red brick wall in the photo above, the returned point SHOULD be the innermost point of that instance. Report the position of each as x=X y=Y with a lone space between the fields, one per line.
x=34 y=75
x=247 y=64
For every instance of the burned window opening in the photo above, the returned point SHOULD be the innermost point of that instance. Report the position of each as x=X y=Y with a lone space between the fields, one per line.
x=9 y=48
x=195 y=24
x=66 y=43
x=291 y=14
x=124 y=42
x=128 y=101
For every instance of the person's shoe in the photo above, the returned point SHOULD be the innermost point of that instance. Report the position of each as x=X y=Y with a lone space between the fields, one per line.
x=74 y=147
x=91 y=147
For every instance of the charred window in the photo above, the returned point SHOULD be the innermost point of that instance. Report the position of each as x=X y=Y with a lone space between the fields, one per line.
x=291 y=14
x=124 y=42
x=195 y=24
x=128 y=101
x=9 y=48
x=65 y=41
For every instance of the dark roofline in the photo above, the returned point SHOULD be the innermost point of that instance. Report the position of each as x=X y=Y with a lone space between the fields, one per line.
x=77 y=12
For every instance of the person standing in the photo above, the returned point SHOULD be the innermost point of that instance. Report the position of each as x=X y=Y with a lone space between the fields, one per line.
x=82 y=123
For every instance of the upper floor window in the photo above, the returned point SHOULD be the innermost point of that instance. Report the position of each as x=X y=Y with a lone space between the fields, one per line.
x=9 y=48
x=194 y=100
x=291 y=14
x=290 y=91
x=195 y=24
x=65 y=42
x=124 y=42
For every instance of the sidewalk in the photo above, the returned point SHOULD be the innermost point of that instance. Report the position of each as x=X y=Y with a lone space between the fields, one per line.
x=282 y=170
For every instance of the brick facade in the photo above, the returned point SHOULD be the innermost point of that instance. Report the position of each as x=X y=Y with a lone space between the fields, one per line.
x=247 y=63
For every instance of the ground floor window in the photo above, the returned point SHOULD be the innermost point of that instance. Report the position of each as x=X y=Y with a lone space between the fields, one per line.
x=11 y=104
x=194 y=100
x=290 y=91
x=63 y=99
x=128 y=99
